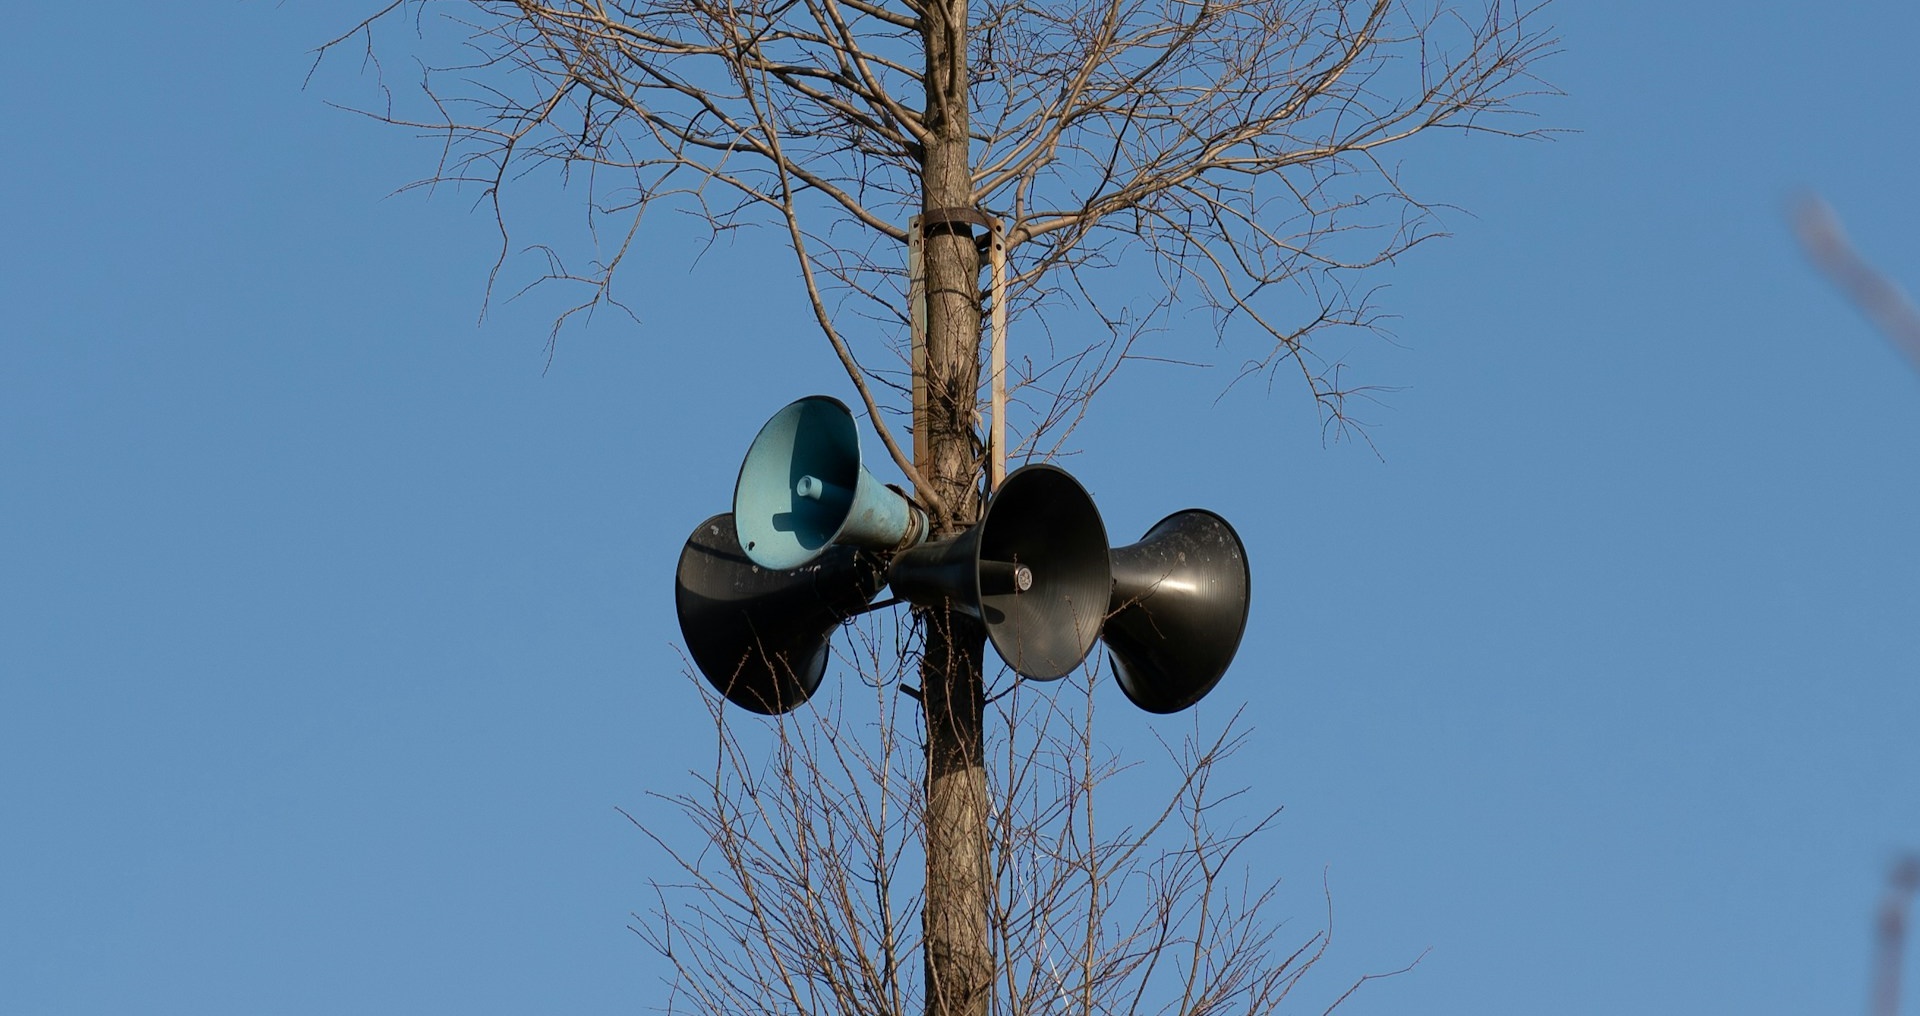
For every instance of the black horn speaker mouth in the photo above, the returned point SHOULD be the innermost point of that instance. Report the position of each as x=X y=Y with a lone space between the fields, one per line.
x=1044 y=578
x=1034 y=570
x=1180 y=604
x=760 y=635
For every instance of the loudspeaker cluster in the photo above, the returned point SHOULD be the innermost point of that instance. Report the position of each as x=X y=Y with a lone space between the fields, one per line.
x=813 y=538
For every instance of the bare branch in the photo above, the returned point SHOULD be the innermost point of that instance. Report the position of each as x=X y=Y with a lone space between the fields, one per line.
x=1877 y=296
x=802 y=897
x=1231 y=147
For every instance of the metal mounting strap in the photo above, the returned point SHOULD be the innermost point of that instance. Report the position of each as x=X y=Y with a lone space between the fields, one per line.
x=947 y=216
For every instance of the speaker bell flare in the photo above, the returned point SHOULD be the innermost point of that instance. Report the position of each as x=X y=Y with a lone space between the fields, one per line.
x=759 y=635
x=802 y=489
x=1179 y=608
x=1035 y=570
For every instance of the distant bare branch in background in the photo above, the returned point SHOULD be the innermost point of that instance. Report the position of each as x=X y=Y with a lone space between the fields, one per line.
x=1891 y=932
x=1826 y=243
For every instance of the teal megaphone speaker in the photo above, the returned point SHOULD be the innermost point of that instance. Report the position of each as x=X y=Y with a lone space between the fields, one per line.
x=1034 y=570
x=802 y=489
x=1179 y=608
x=760 y=635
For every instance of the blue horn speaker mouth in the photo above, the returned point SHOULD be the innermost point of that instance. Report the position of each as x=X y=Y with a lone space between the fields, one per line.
x=802 y=489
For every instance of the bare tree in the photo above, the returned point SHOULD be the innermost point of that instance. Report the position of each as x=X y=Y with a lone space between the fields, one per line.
x=1237 y=149
x=803 y=893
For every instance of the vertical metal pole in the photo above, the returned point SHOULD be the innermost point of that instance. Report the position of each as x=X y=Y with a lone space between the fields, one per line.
x=997 y=254
x=917 y=317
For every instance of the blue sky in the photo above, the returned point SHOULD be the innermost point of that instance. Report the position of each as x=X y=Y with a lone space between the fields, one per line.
x=334 y=627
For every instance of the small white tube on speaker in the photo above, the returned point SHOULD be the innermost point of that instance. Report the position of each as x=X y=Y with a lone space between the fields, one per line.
x=815 y=489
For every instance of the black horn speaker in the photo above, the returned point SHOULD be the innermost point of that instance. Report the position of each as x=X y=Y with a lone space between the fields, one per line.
x=1034 y=569
x=1180 y=599
x=760 y=635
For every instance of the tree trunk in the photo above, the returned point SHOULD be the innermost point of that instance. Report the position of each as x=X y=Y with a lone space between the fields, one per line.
x=958 y=951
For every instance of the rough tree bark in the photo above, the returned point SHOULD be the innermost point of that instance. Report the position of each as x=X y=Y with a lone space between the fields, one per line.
x=958 y=953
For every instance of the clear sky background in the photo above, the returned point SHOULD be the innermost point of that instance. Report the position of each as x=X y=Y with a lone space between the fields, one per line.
x=334 y=628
